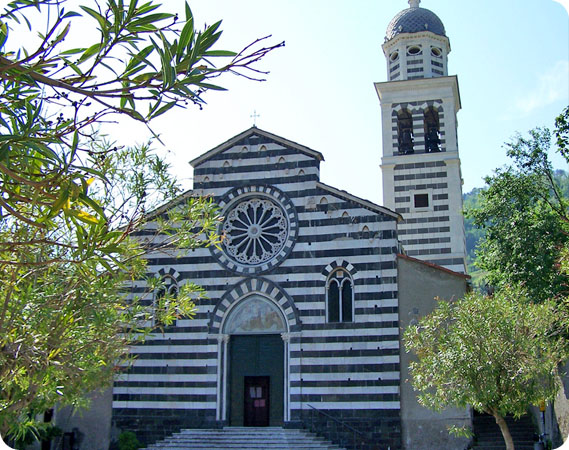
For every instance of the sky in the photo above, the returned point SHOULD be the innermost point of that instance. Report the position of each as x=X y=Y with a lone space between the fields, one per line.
x=511 y=58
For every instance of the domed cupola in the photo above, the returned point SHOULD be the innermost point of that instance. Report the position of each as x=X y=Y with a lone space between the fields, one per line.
x=415 y=20
x=416 y=45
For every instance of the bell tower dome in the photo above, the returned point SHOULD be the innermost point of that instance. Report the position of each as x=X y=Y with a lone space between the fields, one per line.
x=416 y=45
x=420 y=164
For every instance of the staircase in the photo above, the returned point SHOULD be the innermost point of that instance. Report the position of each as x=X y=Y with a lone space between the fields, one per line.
x=487 y=434
x=243 y=438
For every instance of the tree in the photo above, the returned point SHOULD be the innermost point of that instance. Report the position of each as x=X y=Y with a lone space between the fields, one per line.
x=70 y=198
x=523 y=213
x=473 y=234
x=498 y=354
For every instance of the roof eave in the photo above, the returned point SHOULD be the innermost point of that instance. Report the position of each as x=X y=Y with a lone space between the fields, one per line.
x=434 y=266
x=365 y=203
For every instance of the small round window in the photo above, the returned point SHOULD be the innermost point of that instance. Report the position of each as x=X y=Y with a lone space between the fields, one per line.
x=415 y=50
x=437 y=52
x=394 y=56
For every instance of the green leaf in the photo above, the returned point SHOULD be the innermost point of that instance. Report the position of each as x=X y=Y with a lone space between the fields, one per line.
x=93 y=50
x=186 y=36
x=148 y=21
x=144 y=77
x=84 y=216
x=140 y=58
x=106 y=264
x=135 y=114
x=131 y=9
x=211 y=86
x=92 y=204
x=4 y=152
x=220 y=53
x=79 y=233
x=111 y=249
x=3 y=34
x=163 y=109
x=74 y=145
x=73 y=51
x=62 y=35
x=58 y=204
x=70 y=14
x=189 y=15
x=113 y=235
x=103 y=23
x=110 y=68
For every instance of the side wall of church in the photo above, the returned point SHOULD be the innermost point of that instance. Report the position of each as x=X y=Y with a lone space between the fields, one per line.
x=420 y=285
x=349 y=370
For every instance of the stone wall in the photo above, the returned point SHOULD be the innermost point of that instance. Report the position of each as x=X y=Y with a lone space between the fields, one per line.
x=419 y=284
x=377 y=429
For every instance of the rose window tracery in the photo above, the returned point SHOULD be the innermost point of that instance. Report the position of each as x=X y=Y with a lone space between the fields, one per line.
x=255 y=231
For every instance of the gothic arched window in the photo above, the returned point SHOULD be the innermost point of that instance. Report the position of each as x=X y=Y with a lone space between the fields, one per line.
x=340 y=297
x=432 y=130
x=405 y=131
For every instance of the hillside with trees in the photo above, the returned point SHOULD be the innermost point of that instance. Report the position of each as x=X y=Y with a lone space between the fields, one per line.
x=471 y=201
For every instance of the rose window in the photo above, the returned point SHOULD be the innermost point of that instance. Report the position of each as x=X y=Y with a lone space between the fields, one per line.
x=255 y=231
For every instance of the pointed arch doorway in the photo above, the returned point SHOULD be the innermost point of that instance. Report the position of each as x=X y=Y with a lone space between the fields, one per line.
x=256 y=362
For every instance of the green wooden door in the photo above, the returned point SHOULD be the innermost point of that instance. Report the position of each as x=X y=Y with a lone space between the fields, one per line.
x=256 y=356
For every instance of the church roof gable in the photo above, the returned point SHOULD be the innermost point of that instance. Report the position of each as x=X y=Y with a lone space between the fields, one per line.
x=251 y=133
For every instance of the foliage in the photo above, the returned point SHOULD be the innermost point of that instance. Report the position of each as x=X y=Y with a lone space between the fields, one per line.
x=562 y=133
x=128 y=441
x=523 y=214
x=471 y=200
x=142 y=59
x=41 y=432
x=70 y=199
x=498 y=354
x=475 y=235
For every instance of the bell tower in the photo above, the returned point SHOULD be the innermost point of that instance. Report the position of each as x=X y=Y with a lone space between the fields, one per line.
x=420 y=164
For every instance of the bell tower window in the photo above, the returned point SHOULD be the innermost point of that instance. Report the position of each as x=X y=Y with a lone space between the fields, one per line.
x=432 y=130
x=405 y=132
x=436 y=52
x=414 y=50
x=421 y=200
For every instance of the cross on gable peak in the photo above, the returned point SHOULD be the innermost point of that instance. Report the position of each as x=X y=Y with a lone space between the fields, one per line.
x=254 y=117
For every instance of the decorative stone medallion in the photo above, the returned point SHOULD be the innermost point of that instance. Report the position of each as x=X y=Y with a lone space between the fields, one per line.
x=259 y=229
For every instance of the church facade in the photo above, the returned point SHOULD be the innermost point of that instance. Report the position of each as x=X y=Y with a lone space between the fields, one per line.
x=311 y=289
x=302 y=310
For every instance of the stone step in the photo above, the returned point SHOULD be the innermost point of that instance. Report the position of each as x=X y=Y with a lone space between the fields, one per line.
x=489 y=437
x=241 y=442
x=243 y=438
x=502 y=447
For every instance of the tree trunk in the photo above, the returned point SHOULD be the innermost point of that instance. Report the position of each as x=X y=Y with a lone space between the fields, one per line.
x=505 y=431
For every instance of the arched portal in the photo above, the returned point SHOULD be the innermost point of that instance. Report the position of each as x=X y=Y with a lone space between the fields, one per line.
x=255 y=362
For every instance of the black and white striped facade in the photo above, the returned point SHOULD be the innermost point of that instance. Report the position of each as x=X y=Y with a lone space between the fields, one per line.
x=346 y=364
